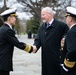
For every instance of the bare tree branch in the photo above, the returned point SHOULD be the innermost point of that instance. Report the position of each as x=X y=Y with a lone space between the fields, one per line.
x=34 y=6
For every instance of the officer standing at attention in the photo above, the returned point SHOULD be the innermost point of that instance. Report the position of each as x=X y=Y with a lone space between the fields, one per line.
x=69 y=63
x=7 y=42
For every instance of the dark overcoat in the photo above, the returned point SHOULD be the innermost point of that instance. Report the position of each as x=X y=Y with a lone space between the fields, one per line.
x=7 y=43
x=49 y=40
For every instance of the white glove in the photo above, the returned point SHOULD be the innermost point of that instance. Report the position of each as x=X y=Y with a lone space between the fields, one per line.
x=62 y=65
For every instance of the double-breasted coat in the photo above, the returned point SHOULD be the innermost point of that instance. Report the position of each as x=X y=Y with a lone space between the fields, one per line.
x=49 y=40
x=70 y=48
x=7 y=43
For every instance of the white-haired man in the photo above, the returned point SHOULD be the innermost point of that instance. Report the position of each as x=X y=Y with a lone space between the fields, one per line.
x=48 y=38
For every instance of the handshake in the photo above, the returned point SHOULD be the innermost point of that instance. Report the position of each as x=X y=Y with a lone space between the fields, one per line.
x=30 y=49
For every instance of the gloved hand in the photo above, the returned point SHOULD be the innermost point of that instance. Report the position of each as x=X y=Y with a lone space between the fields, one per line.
x=62 y=65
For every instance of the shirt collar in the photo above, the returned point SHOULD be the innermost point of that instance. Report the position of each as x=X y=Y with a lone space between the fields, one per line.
x=51 y=21
x=72 y=25
x=8 y=25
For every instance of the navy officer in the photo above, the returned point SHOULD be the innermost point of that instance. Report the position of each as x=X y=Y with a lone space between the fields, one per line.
x=8 y=40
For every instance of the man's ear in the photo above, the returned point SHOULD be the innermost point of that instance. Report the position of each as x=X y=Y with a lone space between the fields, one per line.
x=70 y=18
x=8 y=19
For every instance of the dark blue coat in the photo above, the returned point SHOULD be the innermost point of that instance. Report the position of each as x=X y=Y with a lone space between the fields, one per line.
x=7 y=43
x=70 y=47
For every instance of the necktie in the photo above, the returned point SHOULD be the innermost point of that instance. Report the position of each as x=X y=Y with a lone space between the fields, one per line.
x=48 y=25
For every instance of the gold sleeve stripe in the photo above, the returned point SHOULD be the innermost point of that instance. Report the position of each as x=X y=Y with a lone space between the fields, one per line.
x=27 y=48
x=69 y=64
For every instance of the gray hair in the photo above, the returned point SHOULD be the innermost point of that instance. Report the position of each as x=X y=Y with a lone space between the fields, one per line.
x=48 y=9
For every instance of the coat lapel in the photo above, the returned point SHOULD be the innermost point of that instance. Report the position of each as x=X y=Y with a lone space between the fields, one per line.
x=50 y=31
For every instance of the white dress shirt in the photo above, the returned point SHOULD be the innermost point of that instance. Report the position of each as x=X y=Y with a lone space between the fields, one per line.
x=49 y=24
x=72 y=25
x=8 y=25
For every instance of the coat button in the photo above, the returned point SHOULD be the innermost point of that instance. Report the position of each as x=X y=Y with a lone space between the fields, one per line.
x=45 y=32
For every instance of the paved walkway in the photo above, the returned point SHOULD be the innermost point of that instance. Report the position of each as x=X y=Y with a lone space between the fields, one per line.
x=25 y=63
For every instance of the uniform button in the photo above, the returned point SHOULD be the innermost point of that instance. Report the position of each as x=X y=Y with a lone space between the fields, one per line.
x=67 y=59
x=59 y=56
x=61 y=49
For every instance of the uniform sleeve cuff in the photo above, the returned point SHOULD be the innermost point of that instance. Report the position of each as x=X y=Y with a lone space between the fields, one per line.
x=68 y=63
x=28 y=48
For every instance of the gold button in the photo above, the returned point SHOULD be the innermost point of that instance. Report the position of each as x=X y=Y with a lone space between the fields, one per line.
x=67 y=59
